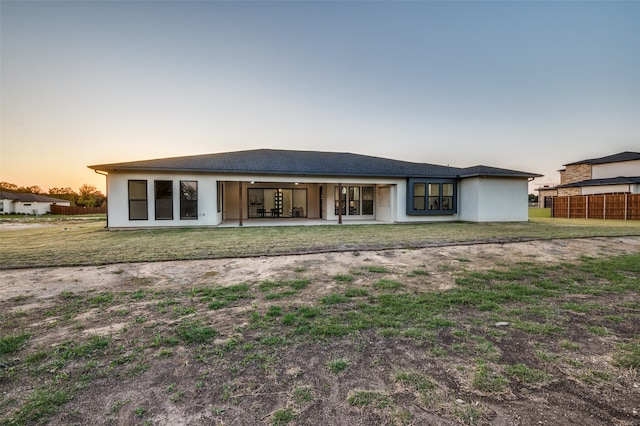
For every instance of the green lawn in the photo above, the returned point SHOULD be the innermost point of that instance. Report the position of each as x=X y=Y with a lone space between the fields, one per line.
x=87 y=242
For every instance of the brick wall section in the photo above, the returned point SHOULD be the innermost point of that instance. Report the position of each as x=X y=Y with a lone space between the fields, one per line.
x=565 y=192
x=575 y=173
x=542 y=193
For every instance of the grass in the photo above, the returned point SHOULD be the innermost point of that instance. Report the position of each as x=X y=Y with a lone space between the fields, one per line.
x=89 y=243
x=364 y=398
x=338 y=365
x=243 y=340
x=11 y=343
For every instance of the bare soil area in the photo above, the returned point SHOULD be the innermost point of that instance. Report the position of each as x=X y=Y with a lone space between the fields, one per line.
x=470 y=366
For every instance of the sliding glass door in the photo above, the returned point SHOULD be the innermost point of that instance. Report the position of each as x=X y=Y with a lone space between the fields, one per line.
x=277 y=202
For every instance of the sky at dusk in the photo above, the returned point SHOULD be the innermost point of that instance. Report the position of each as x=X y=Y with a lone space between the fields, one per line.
x=520 y=85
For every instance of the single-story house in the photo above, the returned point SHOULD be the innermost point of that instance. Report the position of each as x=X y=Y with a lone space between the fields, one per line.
x=207 y=190
x=25 y=203
x=612 y=174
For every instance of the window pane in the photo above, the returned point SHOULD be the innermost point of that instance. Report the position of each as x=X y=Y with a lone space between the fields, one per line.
x=354 y=200
x=164 y=199
x=419 y=189
x=418 y=203
x=138 y=210
x=164 y=189
x=299 y=203
x=188 y=200
x=367 y=206
x=367 y=192
x=434 y=189
x=447 y=189
x=138 y=200
x=447 y=203
x=137 y=189
x=434 y=203
x=164 y=209
x=189 y=190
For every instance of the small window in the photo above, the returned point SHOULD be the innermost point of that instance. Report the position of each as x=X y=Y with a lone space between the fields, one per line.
x=354 y=200
x=419 y=196
x=431 y=197
x=188 y=199
x=447 y=196
x=138 y=200
x=164 y=199
x=220 y=197
x=367 y=200
x=434 y=196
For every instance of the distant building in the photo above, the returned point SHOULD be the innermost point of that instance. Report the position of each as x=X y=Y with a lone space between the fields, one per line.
x=24 y=203
x=613 y=174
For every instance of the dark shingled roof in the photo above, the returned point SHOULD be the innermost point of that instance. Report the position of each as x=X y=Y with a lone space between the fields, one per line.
x=27 y=197
x=476 y=171
x=305 y=163
x=615 y=158
x=620 y=180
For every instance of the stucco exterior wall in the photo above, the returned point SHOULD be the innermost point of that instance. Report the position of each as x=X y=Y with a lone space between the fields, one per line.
x=605 y=189
x=118 y=205
x=490 y=199
x=7 y=206
x=611 y=170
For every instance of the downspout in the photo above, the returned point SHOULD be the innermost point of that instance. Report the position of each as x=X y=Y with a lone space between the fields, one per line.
x=106 y=175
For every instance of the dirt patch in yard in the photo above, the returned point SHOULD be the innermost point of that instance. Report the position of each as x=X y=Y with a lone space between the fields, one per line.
x=334 y=338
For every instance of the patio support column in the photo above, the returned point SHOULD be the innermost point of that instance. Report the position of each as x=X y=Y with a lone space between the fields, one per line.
x=240 y=202
x=339 y=203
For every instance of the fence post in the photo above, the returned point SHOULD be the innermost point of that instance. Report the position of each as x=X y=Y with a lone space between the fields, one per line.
x=586 y=207
x=568 y=206
x=626 y=203
x=604 y=207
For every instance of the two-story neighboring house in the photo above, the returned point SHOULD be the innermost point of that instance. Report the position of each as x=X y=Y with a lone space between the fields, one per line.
x=613 y=174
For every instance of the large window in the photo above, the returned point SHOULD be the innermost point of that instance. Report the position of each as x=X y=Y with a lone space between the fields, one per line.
x=358 y=199
x=138 y=200
x=188 y=199
x=164 y=199
x=431 y=197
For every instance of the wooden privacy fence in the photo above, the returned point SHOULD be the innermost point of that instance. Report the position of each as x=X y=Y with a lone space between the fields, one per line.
x=607 y=206
x=74 y=210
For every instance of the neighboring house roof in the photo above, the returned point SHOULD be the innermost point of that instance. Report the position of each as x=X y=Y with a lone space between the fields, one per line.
x=615 y=158
x=304 y=163
x=620 y=180
x=26 y=197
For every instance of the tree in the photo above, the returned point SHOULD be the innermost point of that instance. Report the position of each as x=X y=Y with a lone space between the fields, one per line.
x=89 y=196
x=33 y=189
x=64 y=194
x=533 y=198
x=6 y=186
